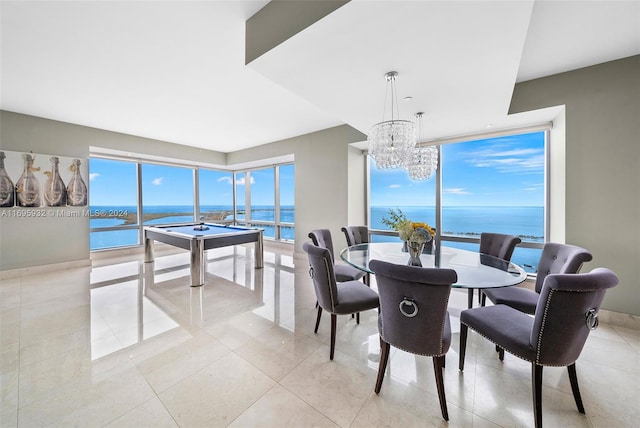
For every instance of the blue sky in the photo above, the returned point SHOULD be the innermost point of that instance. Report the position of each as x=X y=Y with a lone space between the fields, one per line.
x=113 y=183
x=504 y=171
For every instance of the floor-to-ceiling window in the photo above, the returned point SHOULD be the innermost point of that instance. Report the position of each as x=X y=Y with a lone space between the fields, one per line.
x=216 y=195
x=393 y=189
x=127 y=195
x=113 y=201
x=264 y=198
x=488 y=185
x=167 y=194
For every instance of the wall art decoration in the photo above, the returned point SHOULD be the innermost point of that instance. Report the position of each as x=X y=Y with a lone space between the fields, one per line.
x=42 y=181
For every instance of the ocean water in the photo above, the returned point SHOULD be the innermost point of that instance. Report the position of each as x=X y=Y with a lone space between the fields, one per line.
x=526 y=222
x=110 y=216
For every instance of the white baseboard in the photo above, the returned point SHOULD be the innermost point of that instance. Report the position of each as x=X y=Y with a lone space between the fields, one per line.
x=35 y=270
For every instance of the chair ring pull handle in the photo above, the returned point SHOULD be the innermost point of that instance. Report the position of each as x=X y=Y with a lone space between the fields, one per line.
x=311 y=272
x=592 y=319
x=408 y=302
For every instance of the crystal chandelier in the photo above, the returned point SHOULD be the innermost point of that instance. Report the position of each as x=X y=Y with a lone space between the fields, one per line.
x=423 y=161
x=391 y=142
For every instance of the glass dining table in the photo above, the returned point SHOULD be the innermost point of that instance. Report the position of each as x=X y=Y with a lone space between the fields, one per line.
x=475 y=270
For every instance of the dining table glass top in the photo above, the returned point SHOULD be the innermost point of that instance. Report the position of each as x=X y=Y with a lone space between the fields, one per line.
x=475 y=270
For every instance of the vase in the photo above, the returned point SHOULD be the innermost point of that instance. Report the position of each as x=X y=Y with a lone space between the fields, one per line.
x=415 y=249
x=428 y=246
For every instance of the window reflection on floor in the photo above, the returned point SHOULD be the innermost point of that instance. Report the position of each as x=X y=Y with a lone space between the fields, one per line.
x=134 y=301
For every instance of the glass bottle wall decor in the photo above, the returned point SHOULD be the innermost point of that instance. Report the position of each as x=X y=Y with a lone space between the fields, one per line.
x=7 y=189
x=28 y=186
x=55 y=193
x=76 y=189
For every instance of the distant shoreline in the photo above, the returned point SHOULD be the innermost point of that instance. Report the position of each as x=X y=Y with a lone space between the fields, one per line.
x=132 y=218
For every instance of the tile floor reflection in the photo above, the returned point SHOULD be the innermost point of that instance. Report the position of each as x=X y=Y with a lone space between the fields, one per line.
x=128 y=344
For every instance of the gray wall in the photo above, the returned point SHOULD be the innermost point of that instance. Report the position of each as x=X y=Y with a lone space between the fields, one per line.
x=602 y=144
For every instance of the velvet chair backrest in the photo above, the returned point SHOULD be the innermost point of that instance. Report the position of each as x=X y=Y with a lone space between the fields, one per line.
x=560 y=327
x=498 y=245
x=560 y=258
x=324 y=279
x=356 y=235
x=429 y=290
x=322 y=238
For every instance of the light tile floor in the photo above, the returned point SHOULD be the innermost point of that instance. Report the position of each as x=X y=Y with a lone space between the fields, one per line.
x=124 y=344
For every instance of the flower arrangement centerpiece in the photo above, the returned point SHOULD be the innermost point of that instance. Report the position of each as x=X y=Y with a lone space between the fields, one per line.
x=414 y=234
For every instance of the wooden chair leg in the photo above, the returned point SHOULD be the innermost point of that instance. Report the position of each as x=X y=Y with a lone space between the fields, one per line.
x=463 y=345
x=438 y=368
x=333 y=335
x=470 y=298
x=484 y=299
x=382 y=366
x=358 y=318
x=500 y=352
x=573 y=377
x=536 y=386
x=318 y=319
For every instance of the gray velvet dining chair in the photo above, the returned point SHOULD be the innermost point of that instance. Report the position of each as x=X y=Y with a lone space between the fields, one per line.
x=413 y=316
x=355 y=235
x=322 y=238
x=497 y=245
x=555 y=258
x=567 y=311
x=346 y=298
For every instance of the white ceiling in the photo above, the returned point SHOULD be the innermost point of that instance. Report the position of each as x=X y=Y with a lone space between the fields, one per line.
x=175 y=71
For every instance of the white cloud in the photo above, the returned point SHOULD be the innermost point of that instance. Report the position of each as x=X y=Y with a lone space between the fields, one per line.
x=534 y=187
x=157 y=181
x=456 y=191
x=93 y=176
x=508 y=160
x=229 y=180
x=241 y=182
x=394 y=186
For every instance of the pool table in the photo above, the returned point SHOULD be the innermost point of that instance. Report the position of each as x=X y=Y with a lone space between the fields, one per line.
x=198 y=237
